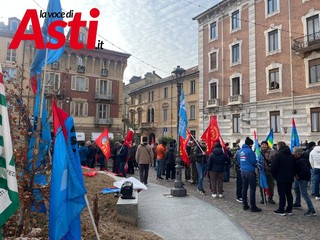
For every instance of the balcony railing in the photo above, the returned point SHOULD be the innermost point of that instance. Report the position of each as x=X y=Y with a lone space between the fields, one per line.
x=147 y=125
x=103 y=121
x=307 y=43
x=235 y=100
x=212 y=103
x=104 y=96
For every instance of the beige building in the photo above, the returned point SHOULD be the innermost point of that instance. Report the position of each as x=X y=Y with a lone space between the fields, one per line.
x=259 y=64
x=86 y=83
x=153 y=106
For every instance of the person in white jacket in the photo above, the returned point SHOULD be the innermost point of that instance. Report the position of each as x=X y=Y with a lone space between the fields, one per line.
x=314 y=159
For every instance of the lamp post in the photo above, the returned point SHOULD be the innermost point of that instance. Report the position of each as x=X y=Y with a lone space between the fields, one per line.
x=178 y=190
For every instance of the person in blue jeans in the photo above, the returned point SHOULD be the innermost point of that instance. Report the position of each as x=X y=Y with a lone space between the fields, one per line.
x=247 y=160
x=302 y=177
x=199 y=153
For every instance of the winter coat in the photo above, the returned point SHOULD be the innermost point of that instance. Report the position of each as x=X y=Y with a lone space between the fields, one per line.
x=122 y=153
x=170 y=156
x=144 y=154
x=247 y=159
x=91 y=153
x=314 y=157
x=217 y=161
x=83 y=152
x=302 y=169
x=161 y=152
x=198 y=156
x=267 y=158
x=283 y=165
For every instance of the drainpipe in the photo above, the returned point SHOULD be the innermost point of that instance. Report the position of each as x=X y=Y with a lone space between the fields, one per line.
x=291 y=69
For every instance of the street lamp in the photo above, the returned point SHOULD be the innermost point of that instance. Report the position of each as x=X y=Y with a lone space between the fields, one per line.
x=178 y=190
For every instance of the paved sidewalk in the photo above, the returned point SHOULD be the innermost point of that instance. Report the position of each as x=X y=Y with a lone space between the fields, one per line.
x=175 y=218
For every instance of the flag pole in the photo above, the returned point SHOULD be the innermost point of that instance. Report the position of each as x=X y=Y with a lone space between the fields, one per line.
x=91 y=216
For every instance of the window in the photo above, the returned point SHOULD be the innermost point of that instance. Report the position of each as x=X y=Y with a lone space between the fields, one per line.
x=140 y=99
x=315 y=119
x=103 y=111
x=213 y=94
x=150 y=96
x=104 y=88
x=13 y=26
x=272 y=6
x=150 y=115
x=213 y=31
x=313 y=28
x=274 y=79
x=10 y=74
x=213 y=61
x=79 y=83
x=236 y=53
x=235 y=86
x=235 y=21
x=192 y=87
x=273 y=41
x=275 y=121
x=82 y=37
x=192 y=112
x=314 y=70
x=133 y=101
x=79 y=109
x=236 y=123
x=11 y=54
x=193 y=133
x=132 y=117
x=139 y=115
x=53 y=80
x=165 y=115
x=165 y=93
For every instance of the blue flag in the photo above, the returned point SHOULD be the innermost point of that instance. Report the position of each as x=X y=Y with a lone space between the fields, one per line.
x=183 y=121
x=295 y=142
x=269 y=138
x=41 y=59
x=67 y=186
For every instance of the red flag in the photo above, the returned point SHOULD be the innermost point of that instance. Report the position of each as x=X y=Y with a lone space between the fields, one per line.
x=1 y=75
x=183 y=148
x=129 y=138
x=211 y=134
x=152 y=142
x=103 y=142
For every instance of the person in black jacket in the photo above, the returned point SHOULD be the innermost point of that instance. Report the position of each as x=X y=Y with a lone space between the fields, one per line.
x=216 y=164
x=283 y=169
x=170 y=160
x=122 y=155
x=302 y=177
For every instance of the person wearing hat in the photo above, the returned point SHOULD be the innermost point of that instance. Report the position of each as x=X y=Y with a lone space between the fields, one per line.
x=247 y=159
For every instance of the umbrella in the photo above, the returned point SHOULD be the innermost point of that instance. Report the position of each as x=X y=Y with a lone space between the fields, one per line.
x=136 y=183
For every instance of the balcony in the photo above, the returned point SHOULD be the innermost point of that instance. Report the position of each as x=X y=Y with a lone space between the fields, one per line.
x=307 y=43
x=103 y=121
x=104 y=96
x=81 y=69
x=147 y=125
x=235 y=100
x=104 y=72
x=212 y=103
x=49 y=90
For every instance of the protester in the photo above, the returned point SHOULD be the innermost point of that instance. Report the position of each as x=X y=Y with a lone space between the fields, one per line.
x=187 y=171
x=144 y=157
x=216 y=164
x=238 y=173
x=83 y=152
x=194 y=172
x=302 y=177
x=101 y=159
x=267 y=156
x=170 y=162
x=247 y=159
x=200 y=156
x=282 y=169
x=314 y=159
x=227 y=166
x=306 y=155
x=91 y=157
x=154 y=155
x=115 y=162
x=132 y=158
x=161 y=155
x=122 y=155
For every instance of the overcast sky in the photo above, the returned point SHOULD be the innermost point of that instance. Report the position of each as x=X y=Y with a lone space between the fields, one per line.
x=160 y=33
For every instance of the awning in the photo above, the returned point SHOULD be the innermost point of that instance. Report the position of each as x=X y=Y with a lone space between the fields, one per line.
x=95 y=135
x=80 y=136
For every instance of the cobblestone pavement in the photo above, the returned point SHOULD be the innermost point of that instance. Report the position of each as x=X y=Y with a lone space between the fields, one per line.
x=264 y=225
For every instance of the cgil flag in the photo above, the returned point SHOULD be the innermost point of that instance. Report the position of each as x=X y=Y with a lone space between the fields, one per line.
x=67 y=186
x=295 y=142
x=269 y=138
x=103 y=142
x=262 y=174
x=183 y=118
x=183 y=147
x=9 y=197
x=212 y=134
x=129 y=138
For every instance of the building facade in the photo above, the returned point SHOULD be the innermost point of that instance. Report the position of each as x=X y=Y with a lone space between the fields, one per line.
x=153 y=106
x=87 y=83
x=259 y=63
